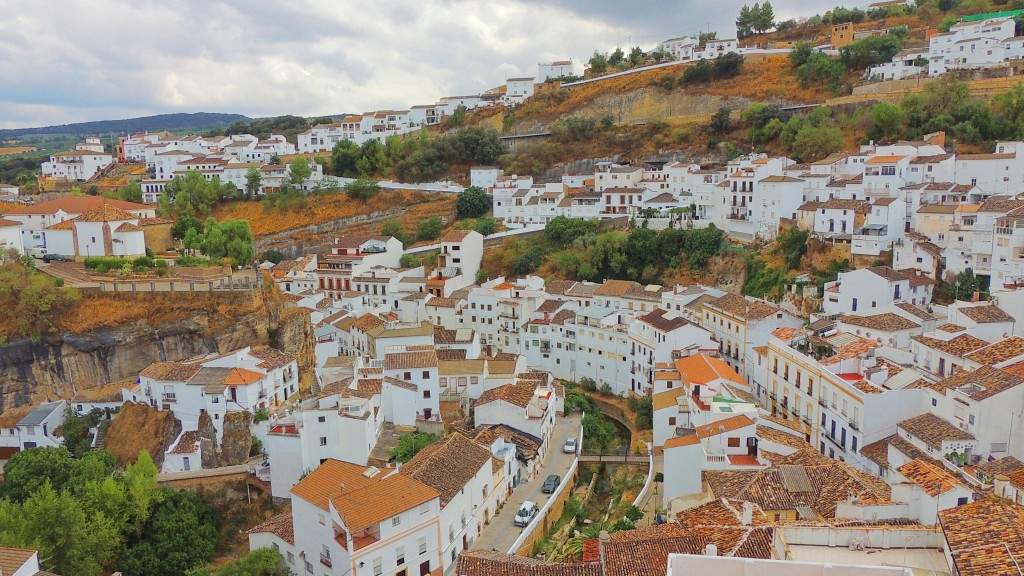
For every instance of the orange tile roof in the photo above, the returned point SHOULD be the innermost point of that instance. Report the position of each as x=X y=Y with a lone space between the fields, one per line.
x=280 y=525
x=931 y=478
x=241 y=376
x=985 y=537
x=723 y=426
x=76 y=205
x=361 y=501
x=677 y=441
x=885 y=159
x=13 y=559
x=667 y=399
x=701 y=369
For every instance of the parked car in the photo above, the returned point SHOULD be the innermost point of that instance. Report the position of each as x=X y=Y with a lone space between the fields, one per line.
x=526 y=513
x=570 y=446
x=55 y=258
x=550 y=484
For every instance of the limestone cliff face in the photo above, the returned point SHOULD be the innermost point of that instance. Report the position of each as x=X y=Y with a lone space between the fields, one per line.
x=140 y=427
x=233 y=448
x=179 y=327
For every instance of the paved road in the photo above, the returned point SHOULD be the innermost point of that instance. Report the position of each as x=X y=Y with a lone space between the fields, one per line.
x=500 y=534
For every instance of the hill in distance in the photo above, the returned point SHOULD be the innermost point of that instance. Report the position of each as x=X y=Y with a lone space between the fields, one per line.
x=179 y=122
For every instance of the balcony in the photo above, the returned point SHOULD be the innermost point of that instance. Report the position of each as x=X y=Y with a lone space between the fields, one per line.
x=431 y=418
x=168 y=397
x=325 y=560
x=821 y=402
x=853 y=425
x=835 y=441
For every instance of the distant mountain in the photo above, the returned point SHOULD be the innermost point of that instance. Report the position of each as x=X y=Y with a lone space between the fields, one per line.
x=181 y=122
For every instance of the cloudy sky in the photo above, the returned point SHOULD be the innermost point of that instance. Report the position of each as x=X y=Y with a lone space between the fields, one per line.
x=77 y=60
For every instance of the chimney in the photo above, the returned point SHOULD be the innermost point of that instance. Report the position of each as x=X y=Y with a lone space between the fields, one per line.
x=748 y=514
x=711 y=550
x=602 y=539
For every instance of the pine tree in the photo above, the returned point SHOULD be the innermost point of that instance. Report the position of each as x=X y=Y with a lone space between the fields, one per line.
x=744 y=22
x=765 y=17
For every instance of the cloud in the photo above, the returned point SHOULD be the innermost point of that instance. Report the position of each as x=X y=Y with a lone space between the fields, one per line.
x=97 y=59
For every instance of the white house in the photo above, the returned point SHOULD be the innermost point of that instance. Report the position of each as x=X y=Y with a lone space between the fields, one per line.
x=525 y=406
x=36 y=218
x=10 y=235
x=31 y=426
x=517 y=90
x=556 y=69
x=82 y=163
x=350 y=520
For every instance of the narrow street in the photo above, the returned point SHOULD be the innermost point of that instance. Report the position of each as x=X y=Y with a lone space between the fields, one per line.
x=500 y=534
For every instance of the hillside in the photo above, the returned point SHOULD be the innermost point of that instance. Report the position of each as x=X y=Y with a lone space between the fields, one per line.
x=178 y=122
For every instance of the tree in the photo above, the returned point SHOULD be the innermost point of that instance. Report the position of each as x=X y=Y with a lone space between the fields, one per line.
x=599 y=432
x=745 y=22
x=259 y=562
x=486 y=226
x=887 y=122
x=27 y=471
x=30 y=301
x=870 y=51
x=793 y=246
x=142 y=490
x=228 y=239
x=598 y=63
x=131 y=192
x=616 y=57
x=344 y=158
x=361 y=189
x=68 y=541
x=410 y=444
x=704 y=37
x=180 y=535
x=185 y=223
x=75 y=430
x=964 y=285
x=765 y=18
x=273 y=256
x=473 y=202
x=458 y=117
x=395 y=229
x=564 y=230
x=720 y=122
x=253 y=181
x=298 y=172
x=429 y=229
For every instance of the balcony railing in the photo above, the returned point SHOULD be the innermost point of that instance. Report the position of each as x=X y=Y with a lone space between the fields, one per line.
x=325 y=560
x=853 y=425
x=168 y=397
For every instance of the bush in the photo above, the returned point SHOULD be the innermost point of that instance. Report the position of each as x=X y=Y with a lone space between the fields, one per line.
x=429 y=229
x=473 y=202
x=410 y=444
x=605 y=389
x=194 y=262
x=362 y=189
x=588 y=384
x=256 y=448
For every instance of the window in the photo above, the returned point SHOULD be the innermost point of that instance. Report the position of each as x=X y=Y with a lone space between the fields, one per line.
x=321 y=519
x=400 y=555
x=426 y=374
x=422 y=544
x=970 y=419
x=853 y=443
x=672 y=421
x=424 y=508
x=323 y=440
x=426 y=393
x=291 y=558
x=734 y=442
x=321 y=419
x=407 y=376
x=935 y=402
x=378 y=566
x=309 y=567
x=396 y=520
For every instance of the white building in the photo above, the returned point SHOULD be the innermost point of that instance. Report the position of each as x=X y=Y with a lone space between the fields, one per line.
x=81 y=163
x=35 y=219
x=350 y=520
x=556 y=69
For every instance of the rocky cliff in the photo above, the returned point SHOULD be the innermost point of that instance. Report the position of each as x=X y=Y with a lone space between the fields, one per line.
x=173 y=327
x=139 y=427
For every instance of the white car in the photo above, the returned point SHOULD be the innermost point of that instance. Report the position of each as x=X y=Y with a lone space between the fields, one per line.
x=526 y=513
x=570 y=446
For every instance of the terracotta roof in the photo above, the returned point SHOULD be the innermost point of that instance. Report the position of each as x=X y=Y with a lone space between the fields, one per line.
x=13 y=559
x=951 y=328
x=998 y=352
x=4 y=223
x=76 y=205
x=645 y=551
x=979 y=384
x=356 y=241
x=110 y=392
x=887 y=322
x=361 y=498
x=170 y=371
x=455 y=235
x=720 y=512
x=740 y=307
x=407 y=360
x=985 y=538
x=932 y=479
x=559 y=287
x=1000 y=203
x=667 y=398
x=914 y=310
x=1006 y=466
x=527 y=445
x=549 y=306
x=614 y=287
x=723 y=426
x=448 y=465
x=788 y=487
x=664 y=320
x=519 y=394
x=493 y=563
x=985 y=314
x=188 y=443
x=270 y=358
x=702 y=369
x=933 y=430
x=961 y=346
x=877 y=452
x=105 y=213
x=858 y=206
x=11 y=416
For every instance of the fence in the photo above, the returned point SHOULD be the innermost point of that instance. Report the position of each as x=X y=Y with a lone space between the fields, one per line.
x=551 y=510
x=650 y=477
x=221 y=285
